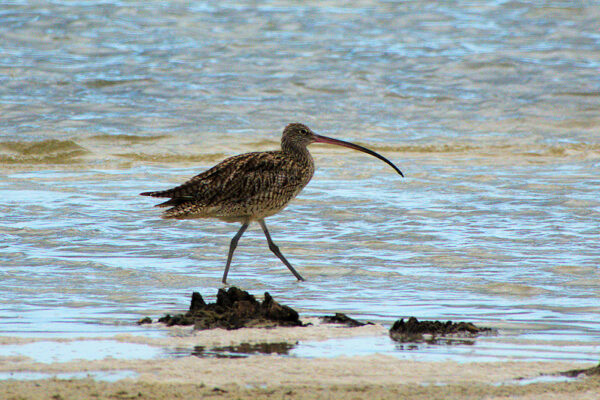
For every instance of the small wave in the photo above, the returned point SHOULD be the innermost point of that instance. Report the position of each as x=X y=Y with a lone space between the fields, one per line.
x=429 y=148
x=52 y=151
x=172 y=158
x=510 y=289
x=101 y=83
x=576 y=150
x=127 y=138
x=55 y=151
x=579 y=94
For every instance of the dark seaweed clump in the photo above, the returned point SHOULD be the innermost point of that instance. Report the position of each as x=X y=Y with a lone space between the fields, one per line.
x=413 y=329
x=233 y=309
x=574 y=373
x=340 y=318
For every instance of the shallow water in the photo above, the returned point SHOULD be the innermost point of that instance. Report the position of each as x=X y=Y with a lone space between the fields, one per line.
x=491 y=111
x=51 y=351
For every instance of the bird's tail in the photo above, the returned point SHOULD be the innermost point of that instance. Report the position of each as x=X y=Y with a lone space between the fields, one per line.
x=160 y=193
x=175 y=192
x=176 y=198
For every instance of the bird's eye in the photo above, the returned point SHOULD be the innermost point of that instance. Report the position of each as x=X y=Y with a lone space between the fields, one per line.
x=304 y=131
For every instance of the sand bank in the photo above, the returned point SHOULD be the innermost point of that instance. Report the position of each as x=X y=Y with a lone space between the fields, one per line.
x=275 y=376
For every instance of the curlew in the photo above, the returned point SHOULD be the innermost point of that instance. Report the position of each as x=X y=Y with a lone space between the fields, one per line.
x=252 y=186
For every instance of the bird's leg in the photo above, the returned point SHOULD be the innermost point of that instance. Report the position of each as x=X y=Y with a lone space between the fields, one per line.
x=273 y=247
x=232 y=247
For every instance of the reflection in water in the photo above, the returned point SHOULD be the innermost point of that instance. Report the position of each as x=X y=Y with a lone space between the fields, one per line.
x=243 y=350
x=346 y=347
x=417 y=342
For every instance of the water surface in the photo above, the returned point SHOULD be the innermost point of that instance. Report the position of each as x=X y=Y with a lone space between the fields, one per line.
x=491 y=111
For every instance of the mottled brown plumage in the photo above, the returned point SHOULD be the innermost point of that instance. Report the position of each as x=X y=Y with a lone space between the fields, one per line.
x=252 y=186
x=246 y=187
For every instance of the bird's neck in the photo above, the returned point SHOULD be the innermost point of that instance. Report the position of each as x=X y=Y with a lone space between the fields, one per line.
x=299 y=153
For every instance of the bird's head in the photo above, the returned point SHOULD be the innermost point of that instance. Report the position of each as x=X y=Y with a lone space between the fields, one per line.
x=297 y=136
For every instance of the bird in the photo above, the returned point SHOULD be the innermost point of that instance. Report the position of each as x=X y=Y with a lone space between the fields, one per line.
x=252 y=186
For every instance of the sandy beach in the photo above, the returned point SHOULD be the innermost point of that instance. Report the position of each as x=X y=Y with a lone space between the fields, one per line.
x=275 y=376
x=272 y=377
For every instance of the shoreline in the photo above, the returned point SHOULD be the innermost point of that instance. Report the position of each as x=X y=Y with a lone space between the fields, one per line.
x=275 y=376
x=270 y=377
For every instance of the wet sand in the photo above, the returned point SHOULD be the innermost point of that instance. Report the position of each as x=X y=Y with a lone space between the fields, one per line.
x=275 y=377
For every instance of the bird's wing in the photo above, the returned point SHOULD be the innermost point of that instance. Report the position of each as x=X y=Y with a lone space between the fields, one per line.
x=193 y=187
x=237 y=179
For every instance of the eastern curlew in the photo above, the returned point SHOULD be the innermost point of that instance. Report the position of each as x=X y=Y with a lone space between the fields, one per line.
x=252 y=186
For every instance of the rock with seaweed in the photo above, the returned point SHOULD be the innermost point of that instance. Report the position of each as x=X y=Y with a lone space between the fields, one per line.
x=233 y=309
x=343 y=319
x=414 y=330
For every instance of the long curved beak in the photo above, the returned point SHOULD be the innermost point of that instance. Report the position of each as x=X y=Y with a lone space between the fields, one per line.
x=325 y=139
